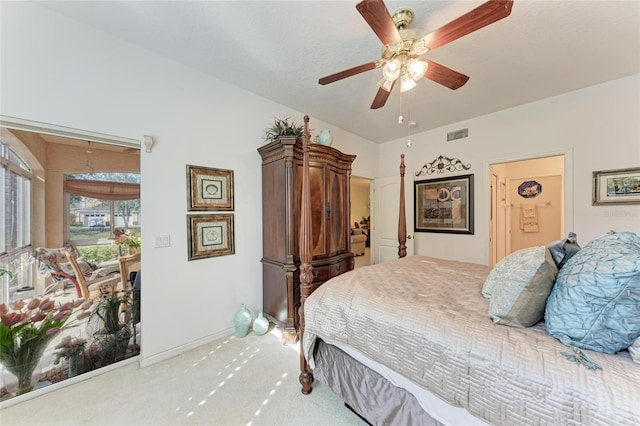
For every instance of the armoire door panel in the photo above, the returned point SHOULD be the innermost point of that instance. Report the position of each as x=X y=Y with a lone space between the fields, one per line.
x=337 y=224
x=318 y=201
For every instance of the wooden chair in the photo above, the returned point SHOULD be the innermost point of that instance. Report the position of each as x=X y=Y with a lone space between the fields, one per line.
x=128 y=264
x=53 y=262
x=92 y=288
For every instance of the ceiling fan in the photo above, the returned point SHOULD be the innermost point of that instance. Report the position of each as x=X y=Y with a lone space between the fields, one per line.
x=403 y=48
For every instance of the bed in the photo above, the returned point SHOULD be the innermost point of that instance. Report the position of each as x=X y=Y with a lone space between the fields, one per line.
x=410 y=341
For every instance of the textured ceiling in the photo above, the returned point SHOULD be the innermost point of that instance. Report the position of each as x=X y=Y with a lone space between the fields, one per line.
x=279 y=49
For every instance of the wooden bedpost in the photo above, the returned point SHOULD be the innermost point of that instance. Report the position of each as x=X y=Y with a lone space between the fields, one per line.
x=402 y=219
x=306 y=253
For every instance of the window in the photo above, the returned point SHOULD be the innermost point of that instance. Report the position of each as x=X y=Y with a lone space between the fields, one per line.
x=99 y=203
x=15 y=213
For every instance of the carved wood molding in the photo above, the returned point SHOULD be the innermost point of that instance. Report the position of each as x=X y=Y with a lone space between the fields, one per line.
x=442 y=164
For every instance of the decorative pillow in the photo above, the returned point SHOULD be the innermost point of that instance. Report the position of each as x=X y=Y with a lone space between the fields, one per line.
x=595 y=303
x=356 y=231
x=518 y=287
x=563 y=250
x=85 y=267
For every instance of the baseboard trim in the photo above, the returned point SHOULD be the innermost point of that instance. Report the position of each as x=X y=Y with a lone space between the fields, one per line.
x=179 y=350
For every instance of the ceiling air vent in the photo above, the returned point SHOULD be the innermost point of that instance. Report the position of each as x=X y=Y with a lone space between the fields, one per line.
x=457 y=134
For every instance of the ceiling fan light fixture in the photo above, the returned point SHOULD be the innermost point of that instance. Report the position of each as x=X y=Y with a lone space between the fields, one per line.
x=406 y=83
x=416 y=68
x=402 y=46
x=391 y=70
x=385 y=84
x=419 y=47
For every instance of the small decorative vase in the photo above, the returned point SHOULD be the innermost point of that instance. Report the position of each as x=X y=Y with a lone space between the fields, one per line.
x=75 y=361
x=260 y=325
x=325 y=138
x=242 y=321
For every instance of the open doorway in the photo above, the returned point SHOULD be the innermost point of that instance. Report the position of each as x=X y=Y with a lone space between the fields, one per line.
x=360 y=220
x=527 y=204
x=60 y=251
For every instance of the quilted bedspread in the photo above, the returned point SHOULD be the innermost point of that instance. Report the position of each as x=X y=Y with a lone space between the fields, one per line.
x=426 y=319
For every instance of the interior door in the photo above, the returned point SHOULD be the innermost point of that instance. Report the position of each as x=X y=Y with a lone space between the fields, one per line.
x=385 y=218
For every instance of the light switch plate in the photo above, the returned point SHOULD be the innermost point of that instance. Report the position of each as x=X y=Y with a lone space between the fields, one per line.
x=163 y=241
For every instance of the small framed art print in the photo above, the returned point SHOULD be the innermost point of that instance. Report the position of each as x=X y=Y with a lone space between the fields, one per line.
x=210 y=235
x=620 y=186
x=209 y=189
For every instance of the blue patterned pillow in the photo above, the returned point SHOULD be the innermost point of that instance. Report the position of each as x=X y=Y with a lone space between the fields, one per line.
x=595 y=303
x=563 y=250
x=518 y=287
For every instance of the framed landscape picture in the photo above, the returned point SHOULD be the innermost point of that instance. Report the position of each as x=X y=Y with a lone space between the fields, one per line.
x=620 y=186
x=444 y=205
x=210 y=235
x=209 y=189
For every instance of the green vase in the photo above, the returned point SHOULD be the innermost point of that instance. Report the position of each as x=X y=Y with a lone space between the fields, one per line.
x=260 y=325
x=75 y=363
x=242 y=321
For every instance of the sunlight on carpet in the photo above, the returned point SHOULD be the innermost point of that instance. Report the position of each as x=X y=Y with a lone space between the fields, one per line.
x=250 y=381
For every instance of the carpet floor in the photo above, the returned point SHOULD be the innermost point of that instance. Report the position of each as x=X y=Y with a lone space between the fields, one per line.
x=246 y=381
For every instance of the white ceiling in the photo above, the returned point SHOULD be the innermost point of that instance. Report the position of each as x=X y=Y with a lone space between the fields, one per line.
x=279 y=49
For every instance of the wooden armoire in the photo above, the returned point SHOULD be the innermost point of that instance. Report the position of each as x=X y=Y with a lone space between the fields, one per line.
x=330 y=173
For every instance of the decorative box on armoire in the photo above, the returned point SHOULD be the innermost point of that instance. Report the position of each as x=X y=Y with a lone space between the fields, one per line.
x=330 y=173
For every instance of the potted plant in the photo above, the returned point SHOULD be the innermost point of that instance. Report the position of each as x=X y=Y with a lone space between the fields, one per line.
x=25 y=331
x=283 y=127
x=108 y=308
x=124 y=239
x=72 y=350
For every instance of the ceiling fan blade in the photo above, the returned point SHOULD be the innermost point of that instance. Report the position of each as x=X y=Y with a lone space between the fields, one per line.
x=445 y=76
x=381 y=97
x=347 y=73
x=377 y=16
x=485 y=14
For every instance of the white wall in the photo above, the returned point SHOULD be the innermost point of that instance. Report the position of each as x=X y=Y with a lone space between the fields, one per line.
x=57 y=71
x=597 y=128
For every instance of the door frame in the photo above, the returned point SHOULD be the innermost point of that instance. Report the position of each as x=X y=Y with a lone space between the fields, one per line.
x=568 y=201
x=493 y=212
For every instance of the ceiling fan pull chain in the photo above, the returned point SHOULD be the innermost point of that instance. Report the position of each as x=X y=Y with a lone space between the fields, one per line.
x=400 y=117
x=409 y=123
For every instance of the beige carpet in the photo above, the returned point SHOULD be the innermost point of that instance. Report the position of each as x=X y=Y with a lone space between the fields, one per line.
x=250 y=381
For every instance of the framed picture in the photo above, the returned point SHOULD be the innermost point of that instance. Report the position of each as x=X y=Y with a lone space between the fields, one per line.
x=620 y=186
x=209 y=189
x=210 y=235
x=444 y=205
